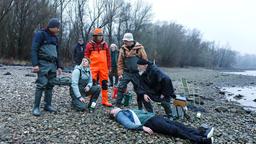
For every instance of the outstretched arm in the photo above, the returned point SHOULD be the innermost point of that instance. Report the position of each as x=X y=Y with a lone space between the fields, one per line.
x=147 y=130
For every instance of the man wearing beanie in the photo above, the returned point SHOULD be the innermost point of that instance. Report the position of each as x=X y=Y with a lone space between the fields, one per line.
x=46 y=63
x=154 y=85
x=127 y=69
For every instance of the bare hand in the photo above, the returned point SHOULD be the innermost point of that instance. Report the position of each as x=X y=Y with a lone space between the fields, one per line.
x=35 y=69
x=162 y=96
x=147 y=130
x=86 y=89
x=59 y=71
x=82 y=99
x=147 y=98
x=120 y=77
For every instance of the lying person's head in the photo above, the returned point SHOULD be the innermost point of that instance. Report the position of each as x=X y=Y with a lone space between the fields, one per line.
x=113 y=112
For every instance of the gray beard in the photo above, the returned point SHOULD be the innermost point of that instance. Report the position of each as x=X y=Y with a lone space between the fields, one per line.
x=141 y=72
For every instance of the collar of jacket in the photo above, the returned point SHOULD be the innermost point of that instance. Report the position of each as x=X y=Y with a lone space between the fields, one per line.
x=94 y=42
x=49 y=32
x=136 y=46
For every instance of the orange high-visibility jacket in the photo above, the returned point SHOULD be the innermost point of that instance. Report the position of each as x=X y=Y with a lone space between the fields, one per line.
x=98 y=53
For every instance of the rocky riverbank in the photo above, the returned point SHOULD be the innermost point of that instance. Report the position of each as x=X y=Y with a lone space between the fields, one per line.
x=17 y=125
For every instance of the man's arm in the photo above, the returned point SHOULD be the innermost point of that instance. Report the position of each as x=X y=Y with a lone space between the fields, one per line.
x=87 y=52
x=75 y=80
x=59 y=65
x=35 y=47
x=108 y=56
x=143 y=53
x=167 y=87
x=120 y=62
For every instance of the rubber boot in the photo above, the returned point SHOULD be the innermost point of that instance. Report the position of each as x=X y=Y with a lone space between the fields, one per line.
x=167 y=108
x=36 y=109
x=127 y=98
x=48 y=101
x=105 y=98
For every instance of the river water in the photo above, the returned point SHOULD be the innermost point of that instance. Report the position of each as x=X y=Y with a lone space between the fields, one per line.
x=246 y=96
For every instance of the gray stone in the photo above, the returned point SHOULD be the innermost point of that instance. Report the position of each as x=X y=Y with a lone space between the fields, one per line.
x=221 y=109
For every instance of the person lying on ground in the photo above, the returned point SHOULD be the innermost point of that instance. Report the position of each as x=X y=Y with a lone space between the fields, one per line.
x=150 y=123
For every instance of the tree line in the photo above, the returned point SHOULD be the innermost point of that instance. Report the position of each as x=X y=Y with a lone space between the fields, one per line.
x=168 y=43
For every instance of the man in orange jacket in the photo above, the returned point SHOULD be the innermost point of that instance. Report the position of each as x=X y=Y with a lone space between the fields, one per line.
x=98 y=52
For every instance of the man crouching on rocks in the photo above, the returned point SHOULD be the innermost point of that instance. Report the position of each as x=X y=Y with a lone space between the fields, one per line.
x=155 y=85
x=45 y=61
x=150 y=123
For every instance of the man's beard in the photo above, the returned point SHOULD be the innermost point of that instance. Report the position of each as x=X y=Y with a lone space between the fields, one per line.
x=141 y=72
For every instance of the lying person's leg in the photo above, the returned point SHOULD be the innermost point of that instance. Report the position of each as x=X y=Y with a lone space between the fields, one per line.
x=165 y=126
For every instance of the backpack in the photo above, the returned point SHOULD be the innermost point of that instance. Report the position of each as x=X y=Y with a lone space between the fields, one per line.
x=63 y=81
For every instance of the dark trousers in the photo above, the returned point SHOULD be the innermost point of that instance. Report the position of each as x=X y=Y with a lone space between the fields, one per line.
x=165 y=102
x=128 y=77
x=113 y=74
x=46 y=74
x=80 y=106
x=165 y=126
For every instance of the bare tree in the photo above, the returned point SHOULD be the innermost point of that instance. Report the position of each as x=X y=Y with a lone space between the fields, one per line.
x=112 y=10
x=5 y=7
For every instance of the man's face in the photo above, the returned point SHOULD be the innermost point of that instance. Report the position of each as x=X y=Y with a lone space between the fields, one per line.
x=99 y=38
x=113 y=48
x=80 y=41
x=128 y=43
x=54 y=30
x=142 y=68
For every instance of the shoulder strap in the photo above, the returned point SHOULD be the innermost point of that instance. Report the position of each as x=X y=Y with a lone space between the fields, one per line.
x=102 y=46
x=80 y=73
x=93 y=46
x=43 y=34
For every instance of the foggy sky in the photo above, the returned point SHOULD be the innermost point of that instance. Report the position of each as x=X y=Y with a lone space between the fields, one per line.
x=230 y=22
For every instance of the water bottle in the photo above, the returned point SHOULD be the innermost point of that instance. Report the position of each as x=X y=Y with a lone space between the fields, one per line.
x=92 y=107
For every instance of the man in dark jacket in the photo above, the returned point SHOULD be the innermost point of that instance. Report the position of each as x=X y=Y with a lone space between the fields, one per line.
x=114 y=57
x=154 y=85
x=79 y=52
x=45 y=61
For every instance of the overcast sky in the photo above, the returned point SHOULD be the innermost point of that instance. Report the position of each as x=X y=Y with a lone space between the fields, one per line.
x=224 y=21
